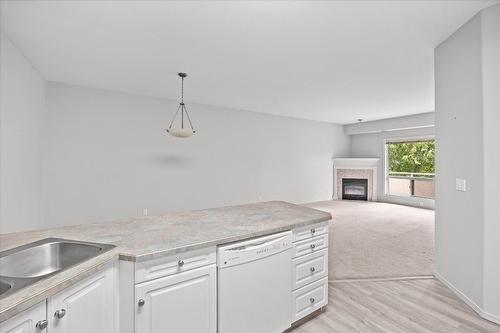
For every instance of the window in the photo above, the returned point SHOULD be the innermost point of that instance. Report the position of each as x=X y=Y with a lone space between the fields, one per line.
x=410 y=168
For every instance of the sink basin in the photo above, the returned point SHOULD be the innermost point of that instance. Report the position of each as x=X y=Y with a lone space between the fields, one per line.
x=4 y=287
x=47 y=258
x=24 y=265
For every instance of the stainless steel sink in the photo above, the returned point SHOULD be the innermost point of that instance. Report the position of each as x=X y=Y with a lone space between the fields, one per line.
x=4 y=287
x=24 y=265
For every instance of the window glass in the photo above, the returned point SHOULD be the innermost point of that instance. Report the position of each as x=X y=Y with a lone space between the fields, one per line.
x=411 y=168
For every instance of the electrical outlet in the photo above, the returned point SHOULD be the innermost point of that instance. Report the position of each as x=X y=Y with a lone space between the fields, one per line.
x=460 y=185
x=144 y=212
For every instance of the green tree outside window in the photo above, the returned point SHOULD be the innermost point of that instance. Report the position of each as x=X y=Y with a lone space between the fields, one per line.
x=412 y=157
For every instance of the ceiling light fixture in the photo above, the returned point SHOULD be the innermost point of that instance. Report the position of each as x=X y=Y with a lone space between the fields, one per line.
x=181 y=132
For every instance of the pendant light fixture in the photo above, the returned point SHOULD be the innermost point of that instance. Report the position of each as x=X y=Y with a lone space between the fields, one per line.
x=182 y=132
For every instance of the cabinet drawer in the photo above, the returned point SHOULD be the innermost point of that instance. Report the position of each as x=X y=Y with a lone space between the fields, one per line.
x=309 y=268
x=309 y=298
x=310 y=231
x=310 y=245
x=157 y=268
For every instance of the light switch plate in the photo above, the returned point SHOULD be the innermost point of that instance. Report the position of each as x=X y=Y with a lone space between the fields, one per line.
x=460 y=185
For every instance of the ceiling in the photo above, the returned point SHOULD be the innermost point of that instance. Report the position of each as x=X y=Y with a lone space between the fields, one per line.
x=332 y=61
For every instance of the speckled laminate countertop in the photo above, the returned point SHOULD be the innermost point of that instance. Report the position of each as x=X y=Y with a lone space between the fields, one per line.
x=145 y=238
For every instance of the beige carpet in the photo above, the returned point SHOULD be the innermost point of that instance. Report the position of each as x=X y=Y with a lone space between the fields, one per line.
x=378 y=240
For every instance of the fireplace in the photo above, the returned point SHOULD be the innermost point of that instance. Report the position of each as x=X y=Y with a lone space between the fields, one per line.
x=360 y=170
x=354 y=189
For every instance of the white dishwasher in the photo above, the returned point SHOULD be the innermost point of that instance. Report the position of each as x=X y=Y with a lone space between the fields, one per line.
x=255 y=285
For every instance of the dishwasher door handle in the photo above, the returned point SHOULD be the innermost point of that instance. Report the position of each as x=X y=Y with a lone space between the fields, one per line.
x=252 y=249
x=244 y=247
x=257 y=244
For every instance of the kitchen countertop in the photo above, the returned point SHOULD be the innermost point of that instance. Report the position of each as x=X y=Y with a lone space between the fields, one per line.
x=145 y=238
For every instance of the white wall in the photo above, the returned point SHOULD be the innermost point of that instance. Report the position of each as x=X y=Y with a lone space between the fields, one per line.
x=373 y=145
x=108 y=157
x=491 y=138
x=467 y=103
x=22 y=105
x=420 y=120
x=459 y=124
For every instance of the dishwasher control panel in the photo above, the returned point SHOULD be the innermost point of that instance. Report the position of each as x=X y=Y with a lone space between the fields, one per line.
x=253 y=249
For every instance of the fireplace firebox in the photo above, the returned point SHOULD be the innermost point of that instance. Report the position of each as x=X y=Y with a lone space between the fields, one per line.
x=354 y=189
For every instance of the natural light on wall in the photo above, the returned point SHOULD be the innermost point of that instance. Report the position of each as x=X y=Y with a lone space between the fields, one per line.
x=410 y=168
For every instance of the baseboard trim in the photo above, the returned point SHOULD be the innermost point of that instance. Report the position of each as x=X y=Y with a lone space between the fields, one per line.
x=417 y=277
x=483 y=314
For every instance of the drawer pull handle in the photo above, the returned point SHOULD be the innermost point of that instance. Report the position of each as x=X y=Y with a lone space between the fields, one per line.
x=42 y=324
x=141 y=302
x=312 y=300
x=313 y=246
x=313 y=231
x=181 y=263
x=59 y=314
x=312 y=269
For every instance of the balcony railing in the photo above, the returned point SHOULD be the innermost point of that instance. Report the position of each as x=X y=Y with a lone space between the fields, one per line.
x=411 y=184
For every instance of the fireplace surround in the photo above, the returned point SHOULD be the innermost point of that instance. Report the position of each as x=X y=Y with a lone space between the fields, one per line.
x=355 y=168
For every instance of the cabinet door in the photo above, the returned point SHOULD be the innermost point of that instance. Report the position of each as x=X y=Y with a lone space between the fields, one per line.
x=180 y=303
x=85 y=307
x=26 y=321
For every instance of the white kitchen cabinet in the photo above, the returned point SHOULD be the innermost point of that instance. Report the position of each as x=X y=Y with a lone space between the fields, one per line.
x=180 y=303
x=311 y=245
x=88 y=306
x=309 y=270
x=32 y=320
x=310 y=298
x=309 y=231
x=163 y=266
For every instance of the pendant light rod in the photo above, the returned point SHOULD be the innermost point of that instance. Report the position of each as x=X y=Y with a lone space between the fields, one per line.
x=182 y=76
x=175 y=115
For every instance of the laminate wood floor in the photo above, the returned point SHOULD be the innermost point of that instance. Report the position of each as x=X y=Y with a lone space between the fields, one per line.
x=421 y=305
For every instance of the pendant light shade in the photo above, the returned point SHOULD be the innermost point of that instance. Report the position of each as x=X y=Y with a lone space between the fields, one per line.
x=181 y=132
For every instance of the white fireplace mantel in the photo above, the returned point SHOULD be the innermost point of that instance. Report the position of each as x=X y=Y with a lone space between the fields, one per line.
x=356 y=163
